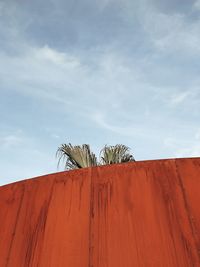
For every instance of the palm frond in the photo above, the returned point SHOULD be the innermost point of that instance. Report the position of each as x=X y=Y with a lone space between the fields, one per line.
x=76 y=157
x=115 y=154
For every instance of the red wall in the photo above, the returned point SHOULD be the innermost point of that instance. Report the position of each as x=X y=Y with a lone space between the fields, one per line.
x=136 y=214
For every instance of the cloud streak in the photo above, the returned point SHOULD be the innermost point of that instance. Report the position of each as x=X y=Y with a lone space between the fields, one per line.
x=98 y=72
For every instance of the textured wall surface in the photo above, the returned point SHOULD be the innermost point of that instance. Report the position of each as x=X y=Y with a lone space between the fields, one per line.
x=136 y=214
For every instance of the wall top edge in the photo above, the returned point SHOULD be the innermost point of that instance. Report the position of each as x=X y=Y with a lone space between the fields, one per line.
x=89 y=169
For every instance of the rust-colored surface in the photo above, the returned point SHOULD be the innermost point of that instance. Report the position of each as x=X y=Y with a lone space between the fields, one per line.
x=142 y=214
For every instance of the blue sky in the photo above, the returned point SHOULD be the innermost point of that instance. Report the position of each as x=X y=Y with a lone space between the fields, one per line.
x=97 y=72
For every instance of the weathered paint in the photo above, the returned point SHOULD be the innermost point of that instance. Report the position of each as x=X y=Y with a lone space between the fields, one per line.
x=126 y=215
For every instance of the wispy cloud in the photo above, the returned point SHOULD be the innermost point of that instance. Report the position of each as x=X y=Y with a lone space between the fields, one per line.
x=183 y=147
x=22 y=157
x=10 y=141
x=180 y=97
x=196 y=5
x=119 y=71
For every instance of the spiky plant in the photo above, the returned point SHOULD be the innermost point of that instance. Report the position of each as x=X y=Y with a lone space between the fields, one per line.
x=76 y=157
x=115 y=154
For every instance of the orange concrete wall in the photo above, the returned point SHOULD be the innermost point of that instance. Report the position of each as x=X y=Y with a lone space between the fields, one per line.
x=136 y=214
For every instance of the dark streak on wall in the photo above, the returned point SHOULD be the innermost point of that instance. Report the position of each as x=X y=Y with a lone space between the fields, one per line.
x=139 y=214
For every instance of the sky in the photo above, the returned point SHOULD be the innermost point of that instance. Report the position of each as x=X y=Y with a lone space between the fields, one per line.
x=97 y=72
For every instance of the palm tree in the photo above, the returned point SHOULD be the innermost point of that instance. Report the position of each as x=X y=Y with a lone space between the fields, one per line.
x=115 y=154
x=76 y=157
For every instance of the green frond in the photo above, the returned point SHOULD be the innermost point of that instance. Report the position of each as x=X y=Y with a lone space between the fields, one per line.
x=76 y=157
x=115 y=154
